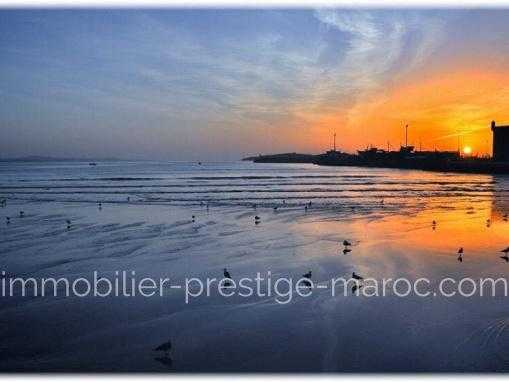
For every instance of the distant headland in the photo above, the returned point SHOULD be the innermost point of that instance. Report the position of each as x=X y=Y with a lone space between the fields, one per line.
x=283 y=158
x=38 y=158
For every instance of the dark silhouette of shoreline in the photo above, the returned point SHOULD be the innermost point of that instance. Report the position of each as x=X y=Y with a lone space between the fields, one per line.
x=414 y=160
x=282 y=158
x=409 y=158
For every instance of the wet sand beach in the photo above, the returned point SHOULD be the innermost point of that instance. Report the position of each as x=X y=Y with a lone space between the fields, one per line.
x=386 y=215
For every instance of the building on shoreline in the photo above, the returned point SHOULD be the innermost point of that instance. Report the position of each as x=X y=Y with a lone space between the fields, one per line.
x=500 y=142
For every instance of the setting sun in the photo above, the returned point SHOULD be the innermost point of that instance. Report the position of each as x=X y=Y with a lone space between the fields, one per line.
x=467 y=150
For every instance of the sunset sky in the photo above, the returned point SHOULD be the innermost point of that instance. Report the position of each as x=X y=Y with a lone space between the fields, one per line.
x=221 y=84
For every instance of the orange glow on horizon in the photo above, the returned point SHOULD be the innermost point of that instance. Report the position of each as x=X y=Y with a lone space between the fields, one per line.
x=444 y=111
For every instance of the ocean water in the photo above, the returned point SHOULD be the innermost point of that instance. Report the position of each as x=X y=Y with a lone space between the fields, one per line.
x=386 y=214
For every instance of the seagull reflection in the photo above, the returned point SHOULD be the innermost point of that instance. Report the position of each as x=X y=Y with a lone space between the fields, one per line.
x=166 y=361
x=505 y=251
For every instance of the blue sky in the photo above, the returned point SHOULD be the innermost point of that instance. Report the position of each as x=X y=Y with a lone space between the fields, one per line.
x=217 y=84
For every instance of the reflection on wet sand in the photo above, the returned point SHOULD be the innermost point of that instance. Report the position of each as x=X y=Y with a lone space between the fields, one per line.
x=389 y=224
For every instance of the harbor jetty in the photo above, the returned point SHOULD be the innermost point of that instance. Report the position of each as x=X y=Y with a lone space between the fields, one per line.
x=409 y=158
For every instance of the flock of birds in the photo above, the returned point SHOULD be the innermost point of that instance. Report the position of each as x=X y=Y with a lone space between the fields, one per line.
x=3 y=203
x=166 y=347
x=257 y=220
x=461 y=251
x=305 y=281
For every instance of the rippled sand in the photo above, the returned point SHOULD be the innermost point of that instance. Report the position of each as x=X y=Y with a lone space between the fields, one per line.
x=154 y=235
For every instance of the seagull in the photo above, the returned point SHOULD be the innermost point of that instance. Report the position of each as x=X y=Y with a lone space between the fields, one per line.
x=21 y=214
x=226 y=274
x=505 y=251
x=488 y=222
x=434 y=222
x=460 y=254
x=166 y=360
x=7 y=219
x=346 y=243
x=307 y=275
x=505 y=257
x=275 y=208
x=346 y=250
x=165 y=347
x=257 y=217
x=68 y=224
x=356 y=276
x=193 y=218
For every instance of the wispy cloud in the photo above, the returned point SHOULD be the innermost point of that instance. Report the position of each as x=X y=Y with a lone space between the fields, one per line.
x=381 y=48
x=175 y=72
